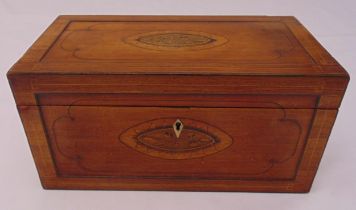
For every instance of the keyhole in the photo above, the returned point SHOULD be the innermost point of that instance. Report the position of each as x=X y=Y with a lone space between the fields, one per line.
x=178 y=125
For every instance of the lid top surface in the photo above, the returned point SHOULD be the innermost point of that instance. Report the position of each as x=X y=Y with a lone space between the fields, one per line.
x=177 y=45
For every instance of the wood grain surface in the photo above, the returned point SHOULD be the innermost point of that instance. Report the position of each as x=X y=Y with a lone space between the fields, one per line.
x=238 y=45
x=255 y=99
x=100 y=141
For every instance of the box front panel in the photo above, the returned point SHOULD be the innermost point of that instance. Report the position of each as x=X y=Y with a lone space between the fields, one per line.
x=176 y=142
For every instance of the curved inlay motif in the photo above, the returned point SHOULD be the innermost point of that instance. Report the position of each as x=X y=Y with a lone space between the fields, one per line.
x=176 y=40
x=158 y=139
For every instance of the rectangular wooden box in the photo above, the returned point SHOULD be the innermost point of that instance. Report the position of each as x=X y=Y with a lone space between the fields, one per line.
x=177 y=103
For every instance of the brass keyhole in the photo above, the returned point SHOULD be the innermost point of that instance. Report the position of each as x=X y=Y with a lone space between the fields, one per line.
x=178 y=127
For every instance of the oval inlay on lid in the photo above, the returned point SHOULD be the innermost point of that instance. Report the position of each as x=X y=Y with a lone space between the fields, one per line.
x=175 y=40
x=157 y=138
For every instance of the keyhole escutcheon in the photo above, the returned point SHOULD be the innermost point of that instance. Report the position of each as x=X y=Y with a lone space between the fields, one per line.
x=177 y=127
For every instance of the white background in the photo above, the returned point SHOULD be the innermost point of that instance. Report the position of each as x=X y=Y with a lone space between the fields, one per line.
x=333 y=23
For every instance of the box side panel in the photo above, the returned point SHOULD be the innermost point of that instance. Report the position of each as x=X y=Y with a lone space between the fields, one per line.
x=37 y=139
x=319 y=135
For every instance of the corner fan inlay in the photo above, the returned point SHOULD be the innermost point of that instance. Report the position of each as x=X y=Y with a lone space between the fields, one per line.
x=176 y=40
x=186 y=139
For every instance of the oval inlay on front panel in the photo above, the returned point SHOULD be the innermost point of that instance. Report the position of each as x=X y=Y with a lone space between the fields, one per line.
x=175 y=40
x=158 y=139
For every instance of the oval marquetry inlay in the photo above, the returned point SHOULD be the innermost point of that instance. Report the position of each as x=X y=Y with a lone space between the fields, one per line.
x=158 y=139
x=176 y=40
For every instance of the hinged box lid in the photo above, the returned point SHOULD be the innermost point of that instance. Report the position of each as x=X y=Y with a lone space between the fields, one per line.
x=196 y=54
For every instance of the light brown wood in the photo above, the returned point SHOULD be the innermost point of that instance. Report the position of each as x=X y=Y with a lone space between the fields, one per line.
x=251 y=45
x=319 y=133
x=217 y=143
x=179 y=100
x=330 y=90
x=255 y=99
